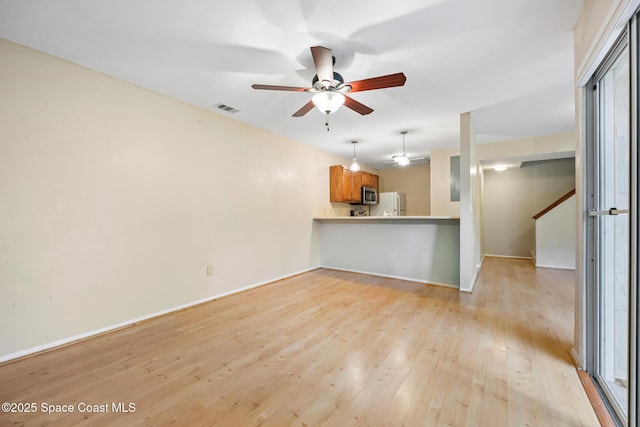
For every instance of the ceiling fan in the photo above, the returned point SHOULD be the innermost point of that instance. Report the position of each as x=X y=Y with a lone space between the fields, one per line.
x=330 y=89
x=402 y=159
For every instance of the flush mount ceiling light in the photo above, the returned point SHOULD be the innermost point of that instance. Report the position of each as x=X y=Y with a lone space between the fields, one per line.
x=500 y=168
x=355 y=167
x=402 y=159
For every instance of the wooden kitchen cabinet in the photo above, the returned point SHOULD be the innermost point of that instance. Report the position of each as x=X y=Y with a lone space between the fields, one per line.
x=370 y=180
x=355 y=195
x=367 y=179
x=346 y=186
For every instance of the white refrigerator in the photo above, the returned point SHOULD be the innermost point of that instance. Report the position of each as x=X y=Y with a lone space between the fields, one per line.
x=390 y=204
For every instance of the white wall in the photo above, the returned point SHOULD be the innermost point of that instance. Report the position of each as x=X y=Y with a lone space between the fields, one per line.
x=470 y=235
x=556 y=236
x=115 y=199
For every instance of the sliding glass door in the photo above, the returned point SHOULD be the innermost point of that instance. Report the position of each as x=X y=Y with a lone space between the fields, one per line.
x=611 y=224
x=609 y=238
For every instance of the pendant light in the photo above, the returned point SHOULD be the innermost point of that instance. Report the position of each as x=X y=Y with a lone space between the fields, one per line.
x=402 y=159
x=355 y=167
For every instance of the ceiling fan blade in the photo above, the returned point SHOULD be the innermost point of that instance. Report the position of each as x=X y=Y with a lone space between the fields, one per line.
x=304 y=110
x=356 y=106
x=323 y=60
x=381 y=82
x=272 y=87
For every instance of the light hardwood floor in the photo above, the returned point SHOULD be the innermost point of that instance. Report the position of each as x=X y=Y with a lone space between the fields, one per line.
x=329 y=348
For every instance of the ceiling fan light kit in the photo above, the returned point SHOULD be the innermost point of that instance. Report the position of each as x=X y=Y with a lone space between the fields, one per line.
x=328 y=101
x=401 y=160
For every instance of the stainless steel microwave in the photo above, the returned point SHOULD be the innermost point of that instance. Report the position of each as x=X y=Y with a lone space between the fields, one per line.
x=369 y=196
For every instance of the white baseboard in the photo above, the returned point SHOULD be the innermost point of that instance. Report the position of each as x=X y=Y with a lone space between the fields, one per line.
x=476 y=273
x=556 y=267
x=408 y=279
x=473 y=281
x=575 y=358
x=507 y=256
x=89 y=334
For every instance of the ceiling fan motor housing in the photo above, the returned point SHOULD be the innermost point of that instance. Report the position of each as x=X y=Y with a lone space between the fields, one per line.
x=337 y=81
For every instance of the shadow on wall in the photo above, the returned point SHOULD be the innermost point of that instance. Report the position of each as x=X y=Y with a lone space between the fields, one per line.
x=447 y=248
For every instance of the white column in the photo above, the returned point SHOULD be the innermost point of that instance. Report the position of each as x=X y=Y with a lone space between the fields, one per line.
x=469 y=205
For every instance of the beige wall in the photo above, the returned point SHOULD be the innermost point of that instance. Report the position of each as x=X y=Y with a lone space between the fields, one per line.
x=520 y=148
x=586 y=30
x=412 y=180
x=115 y=199
x=528 y=147
x=512 y=197
x=598 y=26
x=441 y=204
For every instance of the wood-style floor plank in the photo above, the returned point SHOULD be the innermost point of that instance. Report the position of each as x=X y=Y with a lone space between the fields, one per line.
x=329 y=348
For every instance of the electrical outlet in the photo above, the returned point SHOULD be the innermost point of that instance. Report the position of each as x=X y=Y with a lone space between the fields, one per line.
x=209 y=270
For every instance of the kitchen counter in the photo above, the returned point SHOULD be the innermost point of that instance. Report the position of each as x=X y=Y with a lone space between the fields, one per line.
x=418 y=248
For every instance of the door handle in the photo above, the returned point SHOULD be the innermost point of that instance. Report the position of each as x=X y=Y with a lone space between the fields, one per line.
x=616 y=211
x=610 y=211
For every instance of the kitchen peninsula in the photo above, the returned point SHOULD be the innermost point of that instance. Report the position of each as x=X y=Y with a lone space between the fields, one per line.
x=418 y=248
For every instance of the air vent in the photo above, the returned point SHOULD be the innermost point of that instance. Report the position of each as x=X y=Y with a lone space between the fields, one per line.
x=227 y=108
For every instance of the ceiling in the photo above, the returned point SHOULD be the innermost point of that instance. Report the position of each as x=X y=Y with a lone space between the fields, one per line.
x=509 y=62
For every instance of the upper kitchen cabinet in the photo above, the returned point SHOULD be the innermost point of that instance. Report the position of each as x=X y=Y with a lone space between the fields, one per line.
x=346 y=186
x=370 y=180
